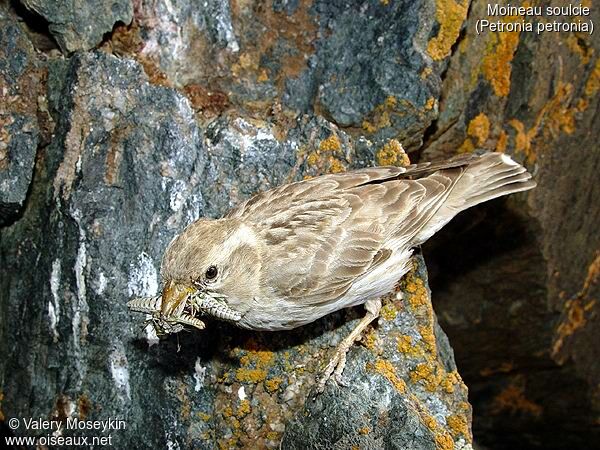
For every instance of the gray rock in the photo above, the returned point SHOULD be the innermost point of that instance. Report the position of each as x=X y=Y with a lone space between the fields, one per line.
x=127 y=169
x=369 y=67
x=19 y=88
x=81 y=24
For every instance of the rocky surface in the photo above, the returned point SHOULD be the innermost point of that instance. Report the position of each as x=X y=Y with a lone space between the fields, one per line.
x=20 y=85
x=192 y=108
x=525 y=348
x=80 y=24
x=127 y=169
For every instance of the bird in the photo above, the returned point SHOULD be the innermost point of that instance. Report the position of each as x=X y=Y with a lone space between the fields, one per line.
x=295 y=253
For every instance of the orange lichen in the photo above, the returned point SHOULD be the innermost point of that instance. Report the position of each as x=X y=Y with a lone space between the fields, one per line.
x=426 y=332
x=502 y=141
x=430 y=103
x=458 y=425
x=450 y=15
x=246 y=375
x=593 y=83
x=576 y=308
x=254 y=365
x=513 y=400
x=244 y=409
x=523 y=139
x=479 y=128
x=369 y=340
x=331 y=144
x=444 y=441
x=405 y=345
x=575 y=44
x=497 y=62
x=392 y=154
x=416 y=287
x=325 y=158
x=450 y=381
x=466 y=147
x=364 y=430
x=387 y=370
x=272 y=384
x=428 y=374
x=429 y=421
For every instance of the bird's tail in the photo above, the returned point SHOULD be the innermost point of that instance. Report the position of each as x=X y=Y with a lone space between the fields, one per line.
x=484 y=178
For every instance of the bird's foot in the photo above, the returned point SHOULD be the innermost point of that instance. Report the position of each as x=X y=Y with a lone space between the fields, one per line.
x=335 y=367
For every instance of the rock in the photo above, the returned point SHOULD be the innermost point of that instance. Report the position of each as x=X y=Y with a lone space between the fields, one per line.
x=81 y=24
x=20 y=85
x=519 y=305
x=305 y=57
x=127 y=169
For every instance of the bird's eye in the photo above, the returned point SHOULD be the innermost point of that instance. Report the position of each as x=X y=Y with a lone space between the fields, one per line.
x=211 y=273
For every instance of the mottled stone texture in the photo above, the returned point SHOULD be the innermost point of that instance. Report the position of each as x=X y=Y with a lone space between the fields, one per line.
x=128 y=168
x=80 y=24
x=19 y=88
x=527 y=348
x=194 y=107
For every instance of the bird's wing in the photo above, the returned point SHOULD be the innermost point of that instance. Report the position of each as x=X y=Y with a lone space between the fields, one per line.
x=323 y=234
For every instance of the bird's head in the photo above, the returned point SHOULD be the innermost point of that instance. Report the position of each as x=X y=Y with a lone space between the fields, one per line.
x=211 y=259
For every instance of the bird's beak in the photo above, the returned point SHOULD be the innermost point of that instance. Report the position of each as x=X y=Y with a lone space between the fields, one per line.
x=173 y=298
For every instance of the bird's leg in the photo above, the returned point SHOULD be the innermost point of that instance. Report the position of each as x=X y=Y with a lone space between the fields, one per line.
x=338 y=362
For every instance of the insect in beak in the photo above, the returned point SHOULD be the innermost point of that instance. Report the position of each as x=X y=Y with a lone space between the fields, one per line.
x=178 y=306
x=166 y=324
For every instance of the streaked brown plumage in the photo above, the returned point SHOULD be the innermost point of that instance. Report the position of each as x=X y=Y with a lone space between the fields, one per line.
x=293 y=254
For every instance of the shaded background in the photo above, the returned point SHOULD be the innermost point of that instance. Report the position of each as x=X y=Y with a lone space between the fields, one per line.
x=122 y=121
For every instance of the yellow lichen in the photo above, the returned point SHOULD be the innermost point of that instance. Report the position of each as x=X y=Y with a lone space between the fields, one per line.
x=405 y=346
x=246 y=375
x=497 y=62
x=273 y=436
x=450 y=380
x=388 y=312
x=272 y=384
x=369 y=340
x=392 y=154
x=429 y=421
x=426 y=72
x=458 y=425
x=443 y=441
x=426 y=332
x=583 y=51
x=502 y=141
x=450 y=15
x=416 y=288
x=331 y=144
x=429 y=104
x=429 y=375
x=364 y=430
x=335 y=165
x=388 y=371
x=244 y=409
x=204 y=416
x=512 y=399
x=479 y=128
x=593 y=83
x=466 y=147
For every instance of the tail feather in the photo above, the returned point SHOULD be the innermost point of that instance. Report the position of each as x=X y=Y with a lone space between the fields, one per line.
x=490 y=176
